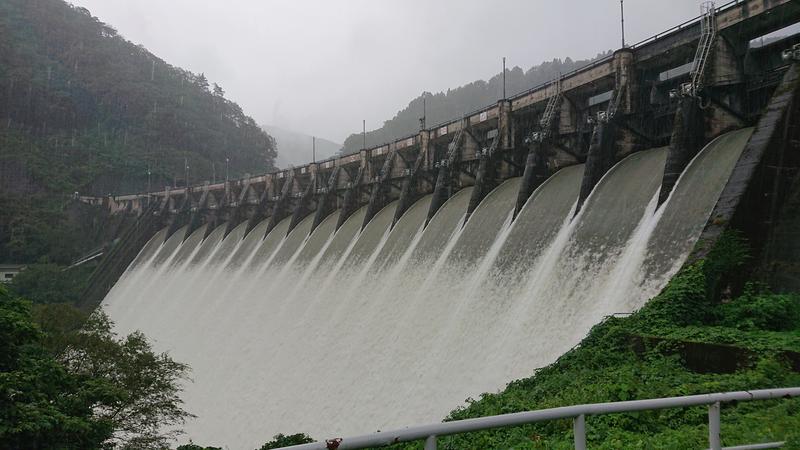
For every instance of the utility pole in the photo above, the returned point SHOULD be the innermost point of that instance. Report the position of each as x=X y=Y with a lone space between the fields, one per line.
x=364 y=133
x=313 y=149
x=148 y=177
x=622 y=19
x=186 y=169
x=227 y=160
x=504 y=77
x=424 y=111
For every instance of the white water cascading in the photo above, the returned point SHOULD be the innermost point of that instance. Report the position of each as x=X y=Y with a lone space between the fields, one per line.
x=349 y=331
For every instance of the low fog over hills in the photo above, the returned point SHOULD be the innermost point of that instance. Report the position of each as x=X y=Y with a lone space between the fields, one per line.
x=295 y=148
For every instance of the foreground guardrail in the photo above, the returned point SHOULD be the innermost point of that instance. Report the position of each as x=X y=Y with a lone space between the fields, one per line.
x=578 y=413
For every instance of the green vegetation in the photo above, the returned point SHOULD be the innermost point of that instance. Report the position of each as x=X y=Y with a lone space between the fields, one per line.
x=67 y=383
x=50 y=283
x=763 y=328
x=192 y=446
x=280 y=440
x=441 y=107
x=84 y=110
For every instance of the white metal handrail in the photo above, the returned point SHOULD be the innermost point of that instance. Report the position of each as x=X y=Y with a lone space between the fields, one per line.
x=577 y=412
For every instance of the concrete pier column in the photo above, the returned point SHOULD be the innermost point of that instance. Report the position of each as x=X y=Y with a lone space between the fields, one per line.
x=687 y=138
x=441 y=192
x=484 y=183
x=279 y=210
x=326 y=200
x=379 y=194
x=505 y=125
x=444 y=180
x=536 y=172
x=625 y=80
x=303 y=206
x=259 y=200
x=350 y=200
x=600 y=159
x=410 y=192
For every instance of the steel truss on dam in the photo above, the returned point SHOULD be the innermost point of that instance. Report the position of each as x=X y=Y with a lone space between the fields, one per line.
x=680 y=88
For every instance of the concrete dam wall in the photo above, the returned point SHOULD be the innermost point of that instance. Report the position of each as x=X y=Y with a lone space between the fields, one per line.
x=355 y=330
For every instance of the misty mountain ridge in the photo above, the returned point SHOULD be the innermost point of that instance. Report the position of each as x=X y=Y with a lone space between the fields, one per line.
x=82 y=109
x=295 y=148
x=444 y=106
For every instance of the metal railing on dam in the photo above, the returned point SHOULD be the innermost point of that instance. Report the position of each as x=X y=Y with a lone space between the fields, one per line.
x=577 y=413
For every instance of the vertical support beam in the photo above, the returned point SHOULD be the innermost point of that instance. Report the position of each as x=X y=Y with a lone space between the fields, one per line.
x=687 y=136
x=252 y=196
x=302 y=209
x=430 y=443
x=505 y=125
x=278 y=210
x=536 y=172
x=441 y=192
x=486 y=176
x=409 y=193
x=714 y=441
x=350 y=198
x=626 y=89
x=377 y=198
x=482 y=185
x=600 y=159
x=351 y=201
x=444 y=180
x=625 y=83
x=579 y=430
x=325 y=204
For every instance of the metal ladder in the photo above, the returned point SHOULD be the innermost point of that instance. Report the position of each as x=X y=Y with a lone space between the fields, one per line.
x=452 y=149
x=708 y=35
x=550 y=110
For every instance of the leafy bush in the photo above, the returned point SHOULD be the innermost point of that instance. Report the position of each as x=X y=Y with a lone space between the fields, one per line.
x=280 y=440
x=192 y=446
x=82 y=387
x=757 y=309
x=50 y=283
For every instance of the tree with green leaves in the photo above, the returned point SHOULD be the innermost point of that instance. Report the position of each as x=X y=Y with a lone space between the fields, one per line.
x=149 y=411
x=281 y=440
x=78 y=387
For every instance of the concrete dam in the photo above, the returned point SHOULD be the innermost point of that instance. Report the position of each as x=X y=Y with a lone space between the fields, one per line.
x=382 y=289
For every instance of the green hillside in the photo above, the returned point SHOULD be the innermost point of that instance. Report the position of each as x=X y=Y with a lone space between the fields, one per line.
x=84 y=110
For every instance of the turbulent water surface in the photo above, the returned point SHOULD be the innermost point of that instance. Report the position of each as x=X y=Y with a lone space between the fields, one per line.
x=347 y=331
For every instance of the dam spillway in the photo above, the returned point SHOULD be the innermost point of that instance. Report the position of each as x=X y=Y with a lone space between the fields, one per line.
x=338 y=332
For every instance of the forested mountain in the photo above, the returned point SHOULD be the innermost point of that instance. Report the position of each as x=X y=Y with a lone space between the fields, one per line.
x=81 y=107
x=294 y=148
x=84 y=110
x=452 y=104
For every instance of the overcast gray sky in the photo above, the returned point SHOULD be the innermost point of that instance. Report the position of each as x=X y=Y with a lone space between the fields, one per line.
x=321 y=66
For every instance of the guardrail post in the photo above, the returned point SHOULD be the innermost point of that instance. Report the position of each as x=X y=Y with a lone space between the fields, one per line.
x=714 y=441
x=430 y=443
x=579 y=430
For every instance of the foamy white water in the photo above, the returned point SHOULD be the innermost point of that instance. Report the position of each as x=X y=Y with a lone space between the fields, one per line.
x=341 y=332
